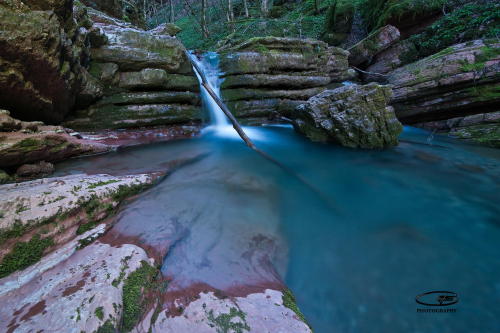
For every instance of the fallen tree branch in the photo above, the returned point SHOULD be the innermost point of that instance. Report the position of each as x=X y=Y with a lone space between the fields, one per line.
x=370 y=73
x=249 y=143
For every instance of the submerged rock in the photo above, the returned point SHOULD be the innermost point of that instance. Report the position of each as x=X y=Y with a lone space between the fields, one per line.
x=353 y=116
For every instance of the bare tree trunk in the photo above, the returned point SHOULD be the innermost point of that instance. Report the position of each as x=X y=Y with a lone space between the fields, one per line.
x=230 y=13
x=245 y=6
x=316 y=7
x=204 y=27
x=172 y=14
x=264 y=8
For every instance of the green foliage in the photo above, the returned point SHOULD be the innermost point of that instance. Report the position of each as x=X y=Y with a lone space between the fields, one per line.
x=472 y=21
x=290 y=302
x=125 y=191
x=103 y=183
x=24 y=254
x=293 y=19
x=107 y=327
x=99 y=313
x=224 y=322
x=378 y=13
x=135 y=288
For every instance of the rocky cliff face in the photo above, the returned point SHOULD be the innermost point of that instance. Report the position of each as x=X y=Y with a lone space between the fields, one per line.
x=273 y=75
x=458 y=81
x=42 y=50
x=145 y=77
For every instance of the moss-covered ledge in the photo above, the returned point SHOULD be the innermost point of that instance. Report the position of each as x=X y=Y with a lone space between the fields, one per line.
x=39 y=216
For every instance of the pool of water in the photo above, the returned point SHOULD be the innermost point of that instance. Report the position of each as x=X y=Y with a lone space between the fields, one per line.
x=379 y=228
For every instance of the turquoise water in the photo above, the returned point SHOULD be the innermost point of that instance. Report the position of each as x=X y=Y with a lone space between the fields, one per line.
x=420 y=217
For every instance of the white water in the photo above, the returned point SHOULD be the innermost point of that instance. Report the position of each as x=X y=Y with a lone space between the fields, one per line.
x=219 y=123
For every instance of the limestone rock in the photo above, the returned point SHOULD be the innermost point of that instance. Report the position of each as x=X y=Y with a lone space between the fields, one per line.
x=7 y=123
x=133 y=116
x=34 y=52
x=353 y=116
x=132 y=10
x=258 y=312
x=56 y=207
x=39 y=169
x=49 y=143
x=458 y=81
x=168 y=29
x=74 y=291
x=376 y=42
x=387 y=61
x=272 y=75
x=482 y=128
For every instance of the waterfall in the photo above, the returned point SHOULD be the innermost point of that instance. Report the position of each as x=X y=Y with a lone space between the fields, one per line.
x=209 y=64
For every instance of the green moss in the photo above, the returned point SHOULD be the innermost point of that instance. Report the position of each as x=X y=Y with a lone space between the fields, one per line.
x=17 y=230
x=103 y=183
x=470 y=22
x=125 y=191
x=108 y=327
x=99 y=312
x=487 y=134
x=485 y=92
x=290 y=302
x=24 y=255
x=224 y=322
x=135 y=289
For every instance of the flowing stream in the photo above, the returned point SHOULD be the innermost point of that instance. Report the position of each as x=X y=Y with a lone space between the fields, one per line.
x=415 y=218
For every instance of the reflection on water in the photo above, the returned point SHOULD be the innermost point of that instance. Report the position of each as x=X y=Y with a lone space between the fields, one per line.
x=414 y=218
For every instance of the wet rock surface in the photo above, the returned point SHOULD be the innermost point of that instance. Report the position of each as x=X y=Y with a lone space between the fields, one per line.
x=257 y=312
x=60 y=208
x=270 y=74
x=353 y=116
x=82 y=292
x=29 y=142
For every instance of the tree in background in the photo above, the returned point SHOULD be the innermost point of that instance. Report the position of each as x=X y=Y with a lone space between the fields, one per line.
x=264 y=8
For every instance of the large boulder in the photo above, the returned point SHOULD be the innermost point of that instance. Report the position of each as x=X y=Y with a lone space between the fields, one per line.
x=376 y=42
x=269 y=75
x=354 y=116
x=456 y=82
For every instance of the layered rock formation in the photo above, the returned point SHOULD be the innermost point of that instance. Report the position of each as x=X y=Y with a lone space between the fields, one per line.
x=29 y=142
x=458 y=81
x=145 y=77
x=376 y=42
x=267 y=75
x=353 y=116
